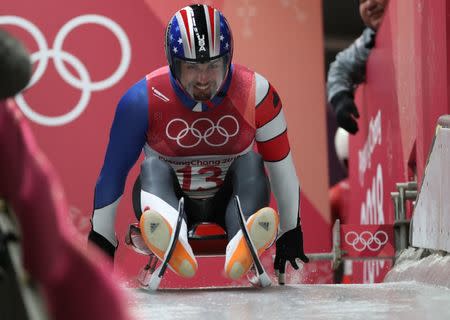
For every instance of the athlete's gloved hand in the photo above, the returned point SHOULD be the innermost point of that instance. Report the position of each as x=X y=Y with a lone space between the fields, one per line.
x=346 y=111
x=288 y=248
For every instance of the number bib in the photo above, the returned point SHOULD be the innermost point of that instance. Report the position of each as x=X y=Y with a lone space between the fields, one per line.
x=199 y=177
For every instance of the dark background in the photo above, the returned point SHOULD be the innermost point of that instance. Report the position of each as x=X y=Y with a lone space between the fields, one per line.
x=342 y=25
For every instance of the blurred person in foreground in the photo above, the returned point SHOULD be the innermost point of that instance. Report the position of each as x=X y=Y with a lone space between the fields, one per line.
x=36 y=217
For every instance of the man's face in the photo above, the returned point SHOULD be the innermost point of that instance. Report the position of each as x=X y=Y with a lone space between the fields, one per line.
x=202 y=80
x=372 y=12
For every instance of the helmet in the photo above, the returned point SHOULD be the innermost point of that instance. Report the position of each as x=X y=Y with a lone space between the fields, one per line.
x=198 y=34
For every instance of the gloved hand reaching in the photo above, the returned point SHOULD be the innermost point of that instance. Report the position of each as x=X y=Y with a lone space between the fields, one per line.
x=346 y=111
x=369 y=39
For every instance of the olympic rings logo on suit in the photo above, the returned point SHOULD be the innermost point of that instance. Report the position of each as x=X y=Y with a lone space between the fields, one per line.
x=193 y=131
x=366 y=240
x=84 y=82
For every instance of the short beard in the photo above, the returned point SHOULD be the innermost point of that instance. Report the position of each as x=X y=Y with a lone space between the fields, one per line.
x=202 y=97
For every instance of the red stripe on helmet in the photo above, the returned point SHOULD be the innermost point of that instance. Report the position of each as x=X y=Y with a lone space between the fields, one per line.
x=186 y=26
x=212 y=17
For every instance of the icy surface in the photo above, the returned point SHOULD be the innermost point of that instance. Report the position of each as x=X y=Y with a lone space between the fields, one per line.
x=405 y=300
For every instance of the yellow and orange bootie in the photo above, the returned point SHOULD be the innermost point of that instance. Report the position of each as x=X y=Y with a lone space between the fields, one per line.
x=156 y=231
x=262 y=227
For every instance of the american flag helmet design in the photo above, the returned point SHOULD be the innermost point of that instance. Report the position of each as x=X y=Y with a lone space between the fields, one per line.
x=198 y=33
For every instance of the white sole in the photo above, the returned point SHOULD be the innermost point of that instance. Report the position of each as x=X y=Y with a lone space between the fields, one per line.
x=262 y=232
x=156 y=230
x=263 y=229
x=157 y=234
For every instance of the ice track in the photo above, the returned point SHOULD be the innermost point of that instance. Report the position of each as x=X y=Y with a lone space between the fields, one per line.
x=406 y=300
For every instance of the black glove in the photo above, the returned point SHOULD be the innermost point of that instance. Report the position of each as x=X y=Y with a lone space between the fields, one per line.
x=369 y=40
x=346 y=111
x=289 y=247
x=101 y=242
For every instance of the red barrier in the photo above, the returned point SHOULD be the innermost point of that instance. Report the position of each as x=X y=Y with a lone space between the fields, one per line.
x=405 y=93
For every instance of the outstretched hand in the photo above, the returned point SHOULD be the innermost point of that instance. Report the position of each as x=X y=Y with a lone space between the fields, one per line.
x=369 y=39
x=346 y=111
x=289 y=247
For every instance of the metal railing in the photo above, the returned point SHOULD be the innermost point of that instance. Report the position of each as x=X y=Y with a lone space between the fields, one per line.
x=406 y=191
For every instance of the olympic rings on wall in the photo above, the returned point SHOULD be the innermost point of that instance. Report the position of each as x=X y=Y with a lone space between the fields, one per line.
x=84 y=83
x=366 y=240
